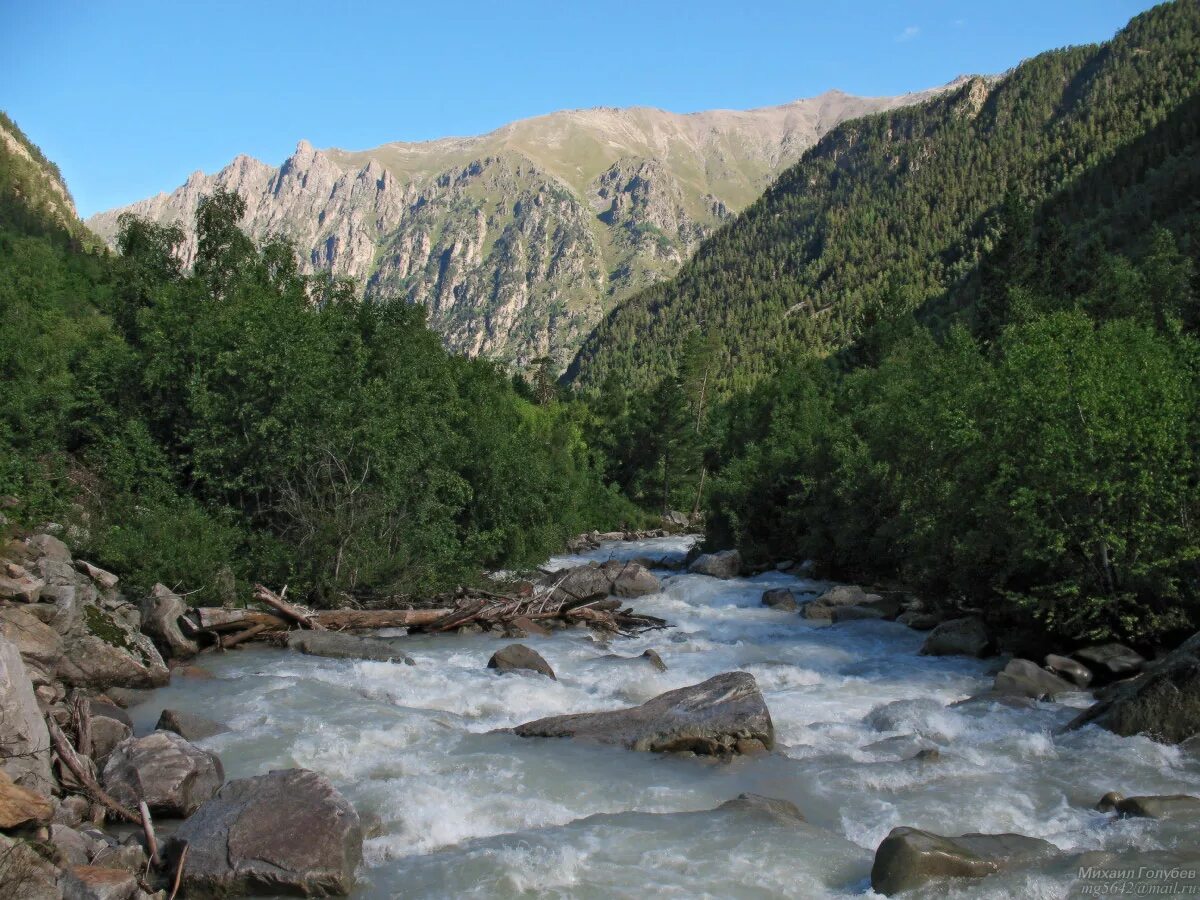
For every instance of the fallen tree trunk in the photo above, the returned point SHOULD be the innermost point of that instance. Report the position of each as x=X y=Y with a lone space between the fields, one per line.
x=301 y=618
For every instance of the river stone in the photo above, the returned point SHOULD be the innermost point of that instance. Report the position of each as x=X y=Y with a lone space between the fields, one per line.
x=631 y=579
x=722 y=564
x=286 y=832
x=706 y=718
x=107 y=733
x=518 y=656
x=1159 y=806
x=835 y=597
x=1163 y=703
x=98 y=883
x=1070 y=669
x=22 y=806
x=958 y=637
x=161 y=611
x=651 y=656
x=771 y=807
x=338 y=645
x=188 y=725
x=23 y=734
x=24 y=874
x=909 y=858
x=1110 y=661
x=920 y=620
x=780 y=598
x=1024 y=678
x=588 y=582
x=171 y=774
x=128 y=856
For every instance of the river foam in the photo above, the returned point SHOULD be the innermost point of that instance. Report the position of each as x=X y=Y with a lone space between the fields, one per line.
x=453 y=809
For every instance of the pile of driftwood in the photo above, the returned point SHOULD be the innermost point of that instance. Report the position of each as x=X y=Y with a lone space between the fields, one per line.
x=227 y=627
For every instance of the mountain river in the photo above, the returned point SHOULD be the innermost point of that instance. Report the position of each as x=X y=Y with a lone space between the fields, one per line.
x=453 y=810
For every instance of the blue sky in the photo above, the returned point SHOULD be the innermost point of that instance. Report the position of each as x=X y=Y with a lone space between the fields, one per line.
x=129 y=97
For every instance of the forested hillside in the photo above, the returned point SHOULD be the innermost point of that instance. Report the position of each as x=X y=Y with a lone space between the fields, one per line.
x=988 y=386
x=243 y=421
x=888 y=213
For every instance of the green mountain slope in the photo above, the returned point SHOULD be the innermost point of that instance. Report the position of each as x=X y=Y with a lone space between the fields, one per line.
x=888 y=213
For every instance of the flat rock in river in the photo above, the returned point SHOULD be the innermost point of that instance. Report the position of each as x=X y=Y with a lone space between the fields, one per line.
x=286 y=832
x=909 y=858
x=958 y=637
x=339 y=645
x=722 y=564
x=706 y=718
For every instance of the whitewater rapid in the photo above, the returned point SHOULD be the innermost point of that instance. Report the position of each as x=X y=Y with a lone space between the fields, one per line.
x=452 y=810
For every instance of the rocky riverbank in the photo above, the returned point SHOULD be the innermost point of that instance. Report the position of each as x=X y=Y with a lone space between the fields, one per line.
x=74 y=650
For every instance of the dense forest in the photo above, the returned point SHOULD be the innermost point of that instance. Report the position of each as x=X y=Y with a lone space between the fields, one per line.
x=954 y=348
x=241 y=421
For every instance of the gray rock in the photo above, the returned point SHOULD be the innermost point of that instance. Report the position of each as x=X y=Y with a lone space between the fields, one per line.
x=129 y=857
x=958 y=637
x=909 y=858
x=105 y=652
x=73 y=846
x=1158 y=806
x=722 y=564
x=339 y=645
x=708 y=718
x=517 y=656
x=1023 y=678
x=1069 y=669
x=287 y=832
x=1110 y=661
x=161 y=611
x=652 y=657
x=581 y=583
x=106 y=581
x=844 y=595
x=50 y=547
x=920 y=620
x=171 y=774
x=23 y=733
x=770 y=807
x=98 y=883
x=1163 y=703
x=188 y=725
x=107 y=733
x=631 y=579
x=781 y=599
x=19 y=586
x=40 y=646
x=24 y=874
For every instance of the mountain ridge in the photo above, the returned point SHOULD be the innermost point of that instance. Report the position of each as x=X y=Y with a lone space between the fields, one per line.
x=519 y=240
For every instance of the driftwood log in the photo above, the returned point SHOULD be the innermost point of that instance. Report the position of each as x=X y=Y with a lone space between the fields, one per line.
x=469 y=607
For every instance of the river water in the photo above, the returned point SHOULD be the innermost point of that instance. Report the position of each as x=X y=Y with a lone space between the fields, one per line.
x=452 y=810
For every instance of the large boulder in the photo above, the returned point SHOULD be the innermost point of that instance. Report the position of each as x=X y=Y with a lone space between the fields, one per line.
x=1155 y=806
x=581 y=583
x=98 y=883
x=108 y=730
x=106 y=581
x=107 y=652
x=1070 y=669
x=23 y=734
x=22 y=806
x=1163 y=703
x=1109 y=662
x=631 y=579
x=967 y=636
x=17 y=584
x=161 y=611
x=781 y=599
x=189 y=725
x=710 y=718
x=1023 y=678
x=339 y=645
x=24 y=874
x=722 y=564
x=40 y=646
x=171 y=774
x=287 y=832
x=909 y=858
x=515 y=657
x=839 y=596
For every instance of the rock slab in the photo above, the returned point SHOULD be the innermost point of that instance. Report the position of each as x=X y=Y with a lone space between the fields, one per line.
x=171 y=774
x=286 y=832
x=909 y=858
x=708 y=718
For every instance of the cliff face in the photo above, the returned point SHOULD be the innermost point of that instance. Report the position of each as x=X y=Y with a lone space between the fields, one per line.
x=518 y=241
